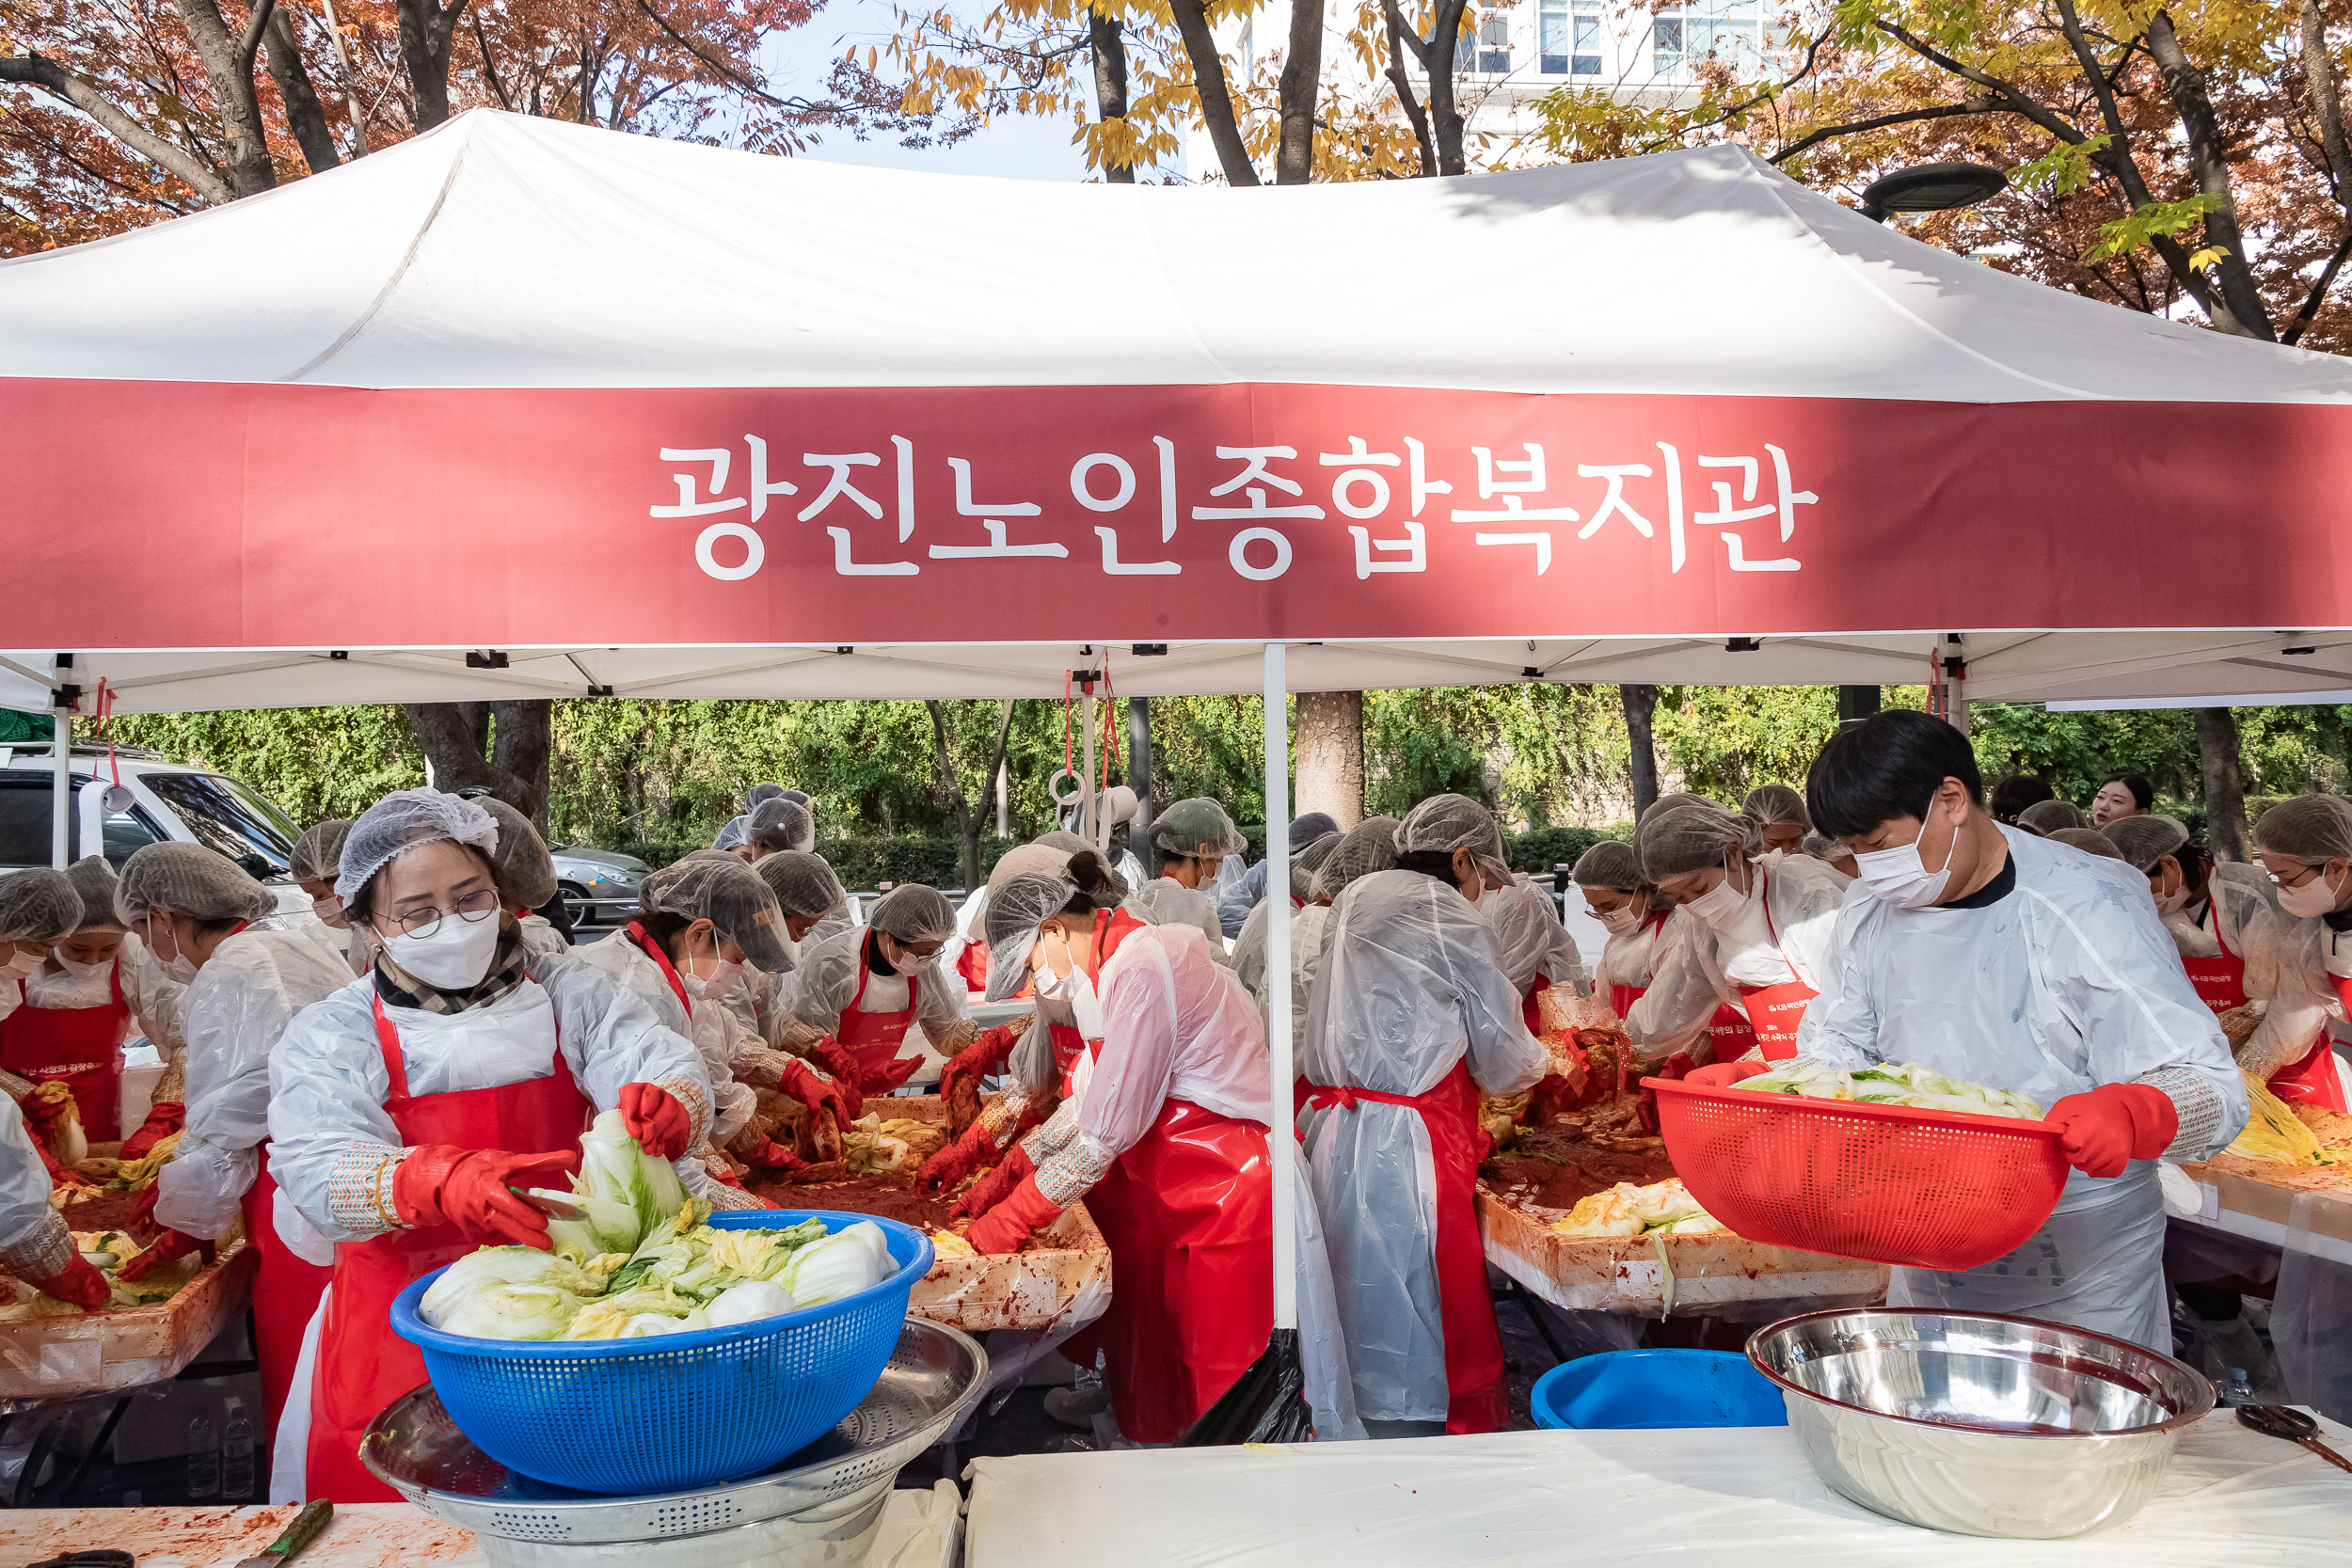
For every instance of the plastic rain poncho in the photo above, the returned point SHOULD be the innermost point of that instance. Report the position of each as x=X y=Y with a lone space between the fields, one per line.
x=1695 y=967
x=1166 y=901
x=826 y=984
x=1249 y=954
x=333 y=1146
x=236 y=1009
x=2068 y=982
x=718 y=1036
x=1530 y=939
x=1409 y=986
x=25 y=1214
x=1235 y=903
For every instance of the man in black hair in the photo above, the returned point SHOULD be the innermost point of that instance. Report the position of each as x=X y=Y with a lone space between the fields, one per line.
x=2001 y=959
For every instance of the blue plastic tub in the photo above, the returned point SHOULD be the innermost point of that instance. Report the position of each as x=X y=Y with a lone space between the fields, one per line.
x=1632 y=1389
x=680 y=1410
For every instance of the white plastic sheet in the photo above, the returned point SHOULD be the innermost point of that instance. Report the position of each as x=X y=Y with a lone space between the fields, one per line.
x=1714 y=1496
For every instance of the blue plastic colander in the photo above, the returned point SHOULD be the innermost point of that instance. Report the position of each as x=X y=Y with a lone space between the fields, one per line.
x=678 y=1410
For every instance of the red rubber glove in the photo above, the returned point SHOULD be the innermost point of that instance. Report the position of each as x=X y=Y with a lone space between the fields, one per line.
x=164 y=1119
x=950 y=1165
x=1723 y=1075
x=773 y=1155
x=141 y=1222
x=174 y=1245
x=2103 y=1132
x=43 y=1109
x=885 y=1079
x=78 y=1282
x=841 y=1067
x=1674 y=1068
x=821 y=1094
x=994 y=1188
x=469 y=1188
x=1004 y=1227
x=982 y=1059
x=656 y=1119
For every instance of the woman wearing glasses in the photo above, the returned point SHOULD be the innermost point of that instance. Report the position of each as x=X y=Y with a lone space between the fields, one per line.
x=411 y=1109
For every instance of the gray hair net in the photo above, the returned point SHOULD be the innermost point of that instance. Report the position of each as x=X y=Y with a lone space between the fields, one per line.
x=914 y=912
x=38 y=905
x=1044 y=859
x=2047 y=816
x=318 y=851
x=1306 y=861
x=1195 y=827
x=1016 y=908
x=1369 y=846
x=732 y=896
x=1823 y=848
x=1445 y=823
x=526 y=873
x=1775 y=804
x=191 y=879
x=93 y=882
x=781 y=824
x=2145 y=840
x=2091 y=840
x=1307 y=829
x=759 y=793
x=801 y=797
x=1692 y=836
x=401 y=821
x=804 y=883
x=1609 y=863
x=2311 y=827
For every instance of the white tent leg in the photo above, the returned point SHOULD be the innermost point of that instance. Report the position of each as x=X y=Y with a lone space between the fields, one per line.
x=1283 y=1147
x=61 y=807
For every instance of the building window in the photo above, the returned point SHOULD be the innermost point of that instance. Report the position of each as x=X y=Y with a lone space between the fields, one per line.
x=1688 y=34
x=1494 y=44
x=1569 y=38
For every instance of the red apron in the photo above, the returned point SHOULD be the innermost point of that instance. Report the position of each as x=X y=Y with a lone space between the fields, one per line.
x=79 y=1046
x=1621 y=998
x=661 y=960
x=286 y=1292
x=2221 y=984
x=971 y=964
x=362 y=1365
x=1529 y=1008
x=2220 y=980
x=1111 y=927
x=1773 y=1011
x=1475 y=1401
x=1189 y=1215
x=873 y=1039
x=2314 y=1081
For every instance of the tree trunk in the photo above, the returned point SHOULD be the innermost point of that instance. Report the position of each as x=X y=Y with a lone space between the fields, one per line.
x=229 y=65
x=1445 y=117
x=2209 y=159
x=305 y=116
x=1107 y=35
x=1216 y=99
x=1331 y=755
x=501 y=747
x=425 y=29
x=1140 y=772
x=2225 y=789
x=1641 y=701
x=1302 y=80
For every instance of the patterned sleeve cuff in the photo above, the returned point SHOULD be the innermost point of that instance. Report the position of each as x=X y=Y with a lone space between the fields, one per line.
x=43 y=1254
x=954 y=1038
x=1000 y=1118
x=360 y=1188
x=1066 y=1177
x=1059 y=1130
x=690 y=1094
x=173 y=1087
x=2196 y=1106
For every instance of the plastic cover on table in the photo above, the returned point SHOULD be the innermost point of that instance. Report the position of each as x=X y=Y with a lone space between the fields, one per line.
x=2312 y=1306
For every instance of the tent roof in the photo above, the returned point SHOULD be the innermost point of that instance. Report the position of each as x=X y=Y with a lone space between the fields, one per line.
x=503 y=250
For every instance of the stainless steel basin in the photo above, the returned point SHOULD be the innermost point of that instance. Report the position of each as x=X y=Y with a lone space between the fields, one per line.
x=1979 y=1424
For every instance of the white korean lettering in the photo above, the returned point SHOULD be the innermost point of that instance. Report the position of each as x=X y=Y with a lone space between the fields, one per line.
x=1417 y=475
x=1415 y=545
x=1239 y=554
x=1782 y=509
x=1085 y=465
x=840 y=486
x=1493 y=486
x=719 y=458
x=998 y=547
x=705 y=557
x=1253 y=482
x=761 y=487
x=1081 y=489
x=1362 y=465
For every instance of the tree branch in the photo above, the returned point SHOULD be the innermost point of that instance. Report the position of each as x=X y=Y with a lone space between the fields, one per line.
x=2319 y=81
x=1216 y=99
x=250 y=44
x=2243 y=312
x=1414 y=114
x=2017 y=100
x=40 y=71
x=2319 y=291
x=1941 y=111
x=1301 y=83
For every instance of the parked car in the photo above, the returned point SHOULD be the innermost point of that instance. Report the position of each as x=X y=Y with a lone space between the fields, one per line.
x=598 y=885
x=169 y=801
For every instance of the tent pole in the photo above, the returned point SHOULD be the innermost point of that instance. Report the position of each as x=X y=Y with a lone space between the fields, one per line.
x=61 y=806
x=1282 y=1071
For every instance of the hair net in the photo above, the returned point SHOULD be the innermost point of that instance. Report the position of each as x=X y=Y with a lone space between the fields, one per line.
x=759 y=793
x=804 y=884
x=732 y=896
x=1444 y=823
x=1306 y=861
x=38 y=905
x=526 y=874
x=191 y=879
x=2091 y=840
x=1776 y=803
x=93 y=882
x=2145 y=840
x=2311 y=828
x=1016 y=908
x=801 y=797
x=1307 y=829
x=401 y=821
x=1823 y=848
x=2047 y=816
x=1609 y=863
x=1040 y=858
x=914 y=912
x=1692 y=836
x=1369 y=846
x=1195 y=827
x=319 y=849
x=781 y=824
x=1530 y=939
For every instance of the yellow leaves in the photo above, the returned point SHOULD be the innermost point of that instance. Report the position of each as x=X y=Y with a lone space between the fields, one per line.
x=2209 y=257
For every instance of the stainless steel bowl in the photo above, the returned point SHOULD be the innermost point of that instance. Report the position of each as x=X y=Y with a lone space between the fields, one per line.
x=820 y=1508
x=1976 y=1423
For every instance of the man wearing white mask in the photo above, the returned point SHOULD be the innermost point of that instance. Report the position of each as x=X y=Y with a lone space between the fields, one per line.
x=1995 y=957
x=1193 y=839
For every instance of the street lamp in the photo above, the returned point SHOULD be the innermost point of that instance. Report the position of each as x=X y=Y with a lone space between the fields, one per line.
x=1930 y=188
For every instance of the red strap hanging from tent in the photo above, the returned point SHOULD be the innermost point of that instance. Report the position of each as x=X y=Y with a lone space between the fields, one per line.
x=104 y=711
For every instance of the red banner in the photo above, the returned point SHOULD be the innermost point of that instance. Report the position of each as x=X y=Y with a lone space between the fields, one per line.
x=156 y=514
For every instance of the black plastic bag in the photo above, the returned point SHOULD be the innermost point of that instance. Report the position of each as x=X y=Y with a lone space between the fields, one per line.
x=1267 y=1403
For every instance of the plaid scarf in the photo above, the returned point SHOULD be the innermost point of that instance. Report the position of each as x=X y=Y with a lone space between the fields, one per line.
x=400 y=989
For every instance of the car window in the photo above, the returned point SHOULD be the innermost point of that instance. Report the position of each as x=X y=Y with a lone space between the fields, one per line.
x=227 y=817
x=127 y=831
x=25 y=805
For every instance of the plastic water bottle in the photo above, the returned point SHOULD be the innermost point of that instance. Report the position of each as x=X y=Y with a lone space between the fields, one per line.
x=203 y=1459
x=236 y=1456
x=2237 y=1392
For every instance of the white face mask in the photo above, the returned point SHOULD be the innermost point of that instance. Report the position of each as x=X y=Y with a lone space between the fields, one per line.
x=2175 y=901
x=179 y=966
x=454 y=957
x=81 y=970
x=2313 y=899
x=1719 y=906
x=1901 y=879
x=1620 y=921
x=80 y=986
x=331 y=910
x=716 y=984
x=20 y=964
